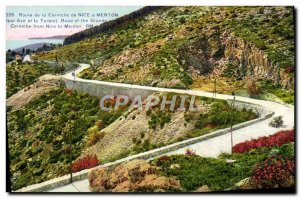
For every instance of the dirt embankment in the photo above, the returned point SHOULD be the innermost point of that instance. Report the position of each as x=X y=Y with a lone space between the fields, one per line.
x=24 y=96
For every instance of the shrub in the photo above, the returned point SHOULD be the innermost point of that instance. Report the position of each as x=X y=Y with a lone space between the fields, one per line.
x=252 y=88
x=287 y=150
x=197 y=171
x=21 y=76
x=93 y=136
x=162 y=159
x=188 y=116
x=100 y=124
x=274 y=172
x=190 y=152
x=276 y=122
x=134 y=140
x=68 y=91
x=278 y=139
x=84 y=163
x=159 y=118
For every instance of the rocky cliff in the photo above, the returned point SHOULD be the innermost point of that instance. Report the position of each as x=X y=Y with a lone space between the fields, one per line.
x=231 y=56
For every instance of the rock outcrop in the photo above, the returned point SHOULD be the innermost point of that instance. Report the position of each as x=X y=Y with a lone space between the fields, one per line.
x=251 y=61
x=204 y=188
x=244 y=184
x=230 y=55
x=136 y=175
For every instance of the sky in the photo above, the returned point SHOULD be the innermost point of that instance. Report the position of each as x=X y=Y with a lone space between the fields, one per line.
x=18 y=15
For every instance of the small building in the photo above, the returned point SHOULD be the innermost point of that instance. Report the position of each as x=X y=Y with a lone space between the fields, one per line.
x=18 y=57
x=27 y=58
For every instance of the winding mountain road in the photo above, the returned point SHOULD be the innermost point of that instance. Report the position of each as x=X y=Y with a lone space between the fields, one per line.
x=208 y=148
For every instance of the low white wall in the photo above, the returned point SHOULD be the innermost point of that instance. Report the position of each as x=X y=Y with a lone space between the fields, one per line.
x=96 y=89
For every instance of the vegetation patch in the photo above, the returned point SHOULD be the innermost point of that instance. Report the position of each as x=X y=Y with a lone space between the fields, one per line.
x=50 y=132
x=285 y=95
x=20 y=75
x=275 y=172
x=220 y=115
x=195 y=171
x=278 y=139
x=84 y=163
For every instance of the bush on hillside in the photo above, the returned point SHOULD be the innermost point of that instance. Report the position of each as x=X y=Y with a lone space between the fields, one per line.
x=276 y=122
x=278 y=139
x=93 y=136
x=84 y=163
x=252 y=88
x=274 y=172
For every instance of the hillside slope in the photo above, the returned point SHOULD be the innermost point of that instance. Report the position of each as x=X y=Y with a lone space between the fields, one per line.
x=138 y=131
x=171 y=47
x=45 y=83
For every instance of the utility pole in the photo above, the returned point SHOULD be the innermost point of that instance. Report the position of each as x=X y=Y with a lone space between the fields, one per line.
x=231 y=122
x=74 y=75
x=215 y=87
x=92 y=64
x=70 y=156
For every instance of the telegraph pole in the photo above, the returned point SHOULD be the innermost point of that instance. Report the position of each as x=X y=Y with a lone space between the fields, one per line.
x=92 y=64
x=73 y=74
x=71 y=157
x=231 y=122
x=215 y=87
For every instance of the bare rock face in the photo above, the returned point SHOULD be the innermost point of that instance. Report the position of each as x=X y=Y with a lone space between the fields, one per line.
x=98 y=179
x=230 y=55
x=199 y=56
x=159 y=182
x=135 y=175
x=204 y=188
x=244 y=184
x=133 y=171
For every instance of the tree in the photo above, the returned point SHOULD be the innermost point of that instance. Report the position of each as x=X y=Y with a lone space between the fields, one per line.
x=28 y=51
x=44 y=47
x=252 y=88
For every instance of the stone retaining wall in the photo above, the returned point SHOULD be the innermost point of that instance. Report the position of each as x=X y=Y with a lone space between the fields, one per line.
x=99 y=90
x=258 y=109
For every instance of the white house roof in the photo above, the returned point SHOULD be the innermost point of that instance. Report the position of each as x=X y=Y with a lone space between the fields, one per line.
x=27 y=58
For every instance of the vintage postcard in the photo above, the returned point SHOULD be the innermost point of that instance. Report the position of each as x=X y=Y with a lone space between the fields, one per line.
x=151 y=99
